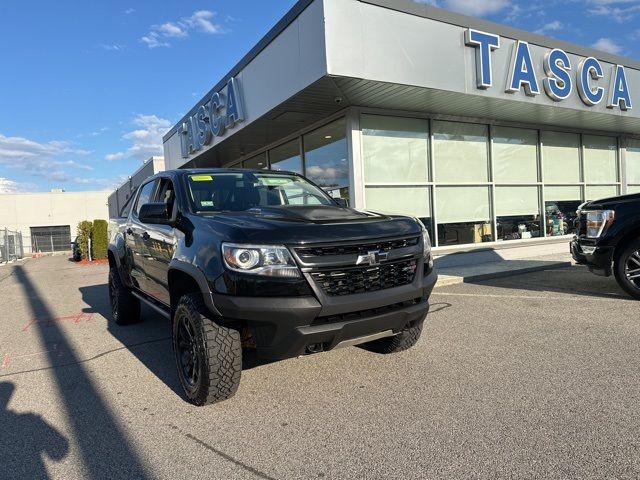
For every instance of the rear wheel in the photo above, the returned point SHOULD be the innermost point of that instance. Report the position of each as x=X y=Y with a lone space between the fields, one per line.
x=125 y=308
x=208 y=356
x=402 y=341
x=627 y=269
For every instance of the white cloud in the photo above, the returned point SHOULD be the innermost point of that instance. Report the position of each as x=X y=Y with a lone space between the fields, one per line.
x=476 y=8
x=607 y=45
x=146 y=141
x=200 y=21
x=619 y=10
x=48 y=160
x=129 y=11
x=553 y=26
x=111 y=47
x=9 y=186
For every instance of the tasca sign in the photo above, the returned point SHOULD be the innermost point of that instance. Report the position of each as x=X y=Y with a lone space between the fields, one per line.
x=211 y=119
x=558 y=77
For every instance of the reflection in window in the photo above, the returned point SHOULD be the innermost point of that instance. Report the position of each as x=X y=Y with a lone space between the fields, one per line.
x=600 y=159
x=259 y=162
x=561 y=205
x=518 y=213
x=326 y=158
x=597 y=192
x=463 y=215
x=633 y=161
x=287 y=157
x=460 y=152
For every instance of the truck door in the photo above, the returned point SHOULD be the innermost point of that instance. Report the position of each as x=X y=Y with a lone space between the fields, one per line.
x=160 y=243
x=135 y=234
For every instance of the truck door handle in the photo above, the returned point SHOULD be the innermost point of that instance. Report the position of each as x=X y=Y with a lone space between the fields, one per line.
x=129 y=231
x=145 y=236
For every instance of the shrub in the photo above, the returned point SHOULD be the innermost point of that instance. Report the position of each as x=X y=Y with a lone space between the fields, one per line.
x=99 y=239
x=84 y=233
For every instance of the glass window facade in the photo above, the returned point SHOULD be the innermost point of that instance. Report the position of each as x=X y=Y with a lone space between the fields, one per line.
x=286 y=157
x=326 y=159
x=475 y=183
x=633 y=165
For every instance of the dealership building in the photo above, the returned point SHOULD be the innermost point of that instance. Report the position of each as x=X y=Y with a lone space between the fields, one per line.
x=485 y=132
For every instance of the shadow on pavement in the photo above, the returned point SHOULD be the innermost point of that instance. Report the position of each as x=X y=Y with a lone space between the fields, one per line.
x=105 y=448
x=25 y=439
x=150 y=339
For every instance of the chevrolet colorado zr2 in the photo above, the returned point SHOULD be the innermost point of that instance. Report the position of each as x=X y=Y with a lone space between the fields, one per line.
x=267 y=260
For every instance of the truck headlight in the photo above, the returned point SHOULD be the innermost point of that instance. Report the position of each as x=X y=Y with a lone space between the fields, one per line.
x=426 y=245
x=267 y=260
x=597 y=221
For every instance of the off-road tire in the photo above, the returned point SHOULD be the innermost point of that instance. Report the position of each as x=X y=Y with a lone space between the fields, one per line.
x=219 y=353
x=402 y=341
x=125 y=308
x=619 y=265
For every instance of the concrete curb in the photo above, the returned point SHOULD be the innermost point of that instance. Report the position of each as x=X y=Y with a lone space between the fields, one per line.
x=445 y=280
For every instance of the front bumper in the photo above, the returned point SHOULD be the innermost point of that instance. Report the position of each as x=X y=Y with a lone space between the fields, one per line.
x=285 y=327
x=599 y=259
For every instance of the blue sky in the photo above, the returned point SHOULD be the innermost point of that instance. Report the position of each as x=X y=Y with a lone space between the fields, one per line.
x=88 y=88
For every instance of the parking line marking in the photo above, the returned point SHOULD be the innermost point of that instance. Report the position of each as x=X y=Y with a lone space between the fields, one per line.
x=529 y=297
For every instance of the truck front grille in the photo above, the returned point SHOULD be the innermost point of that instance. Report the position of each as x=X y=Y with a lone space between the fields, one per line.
x=332 y=250
x=347 y=281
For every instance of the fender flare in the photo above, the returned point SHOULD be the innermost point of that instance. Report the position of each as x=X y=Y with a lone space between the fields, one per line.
x=199 y=277
x=114 y=251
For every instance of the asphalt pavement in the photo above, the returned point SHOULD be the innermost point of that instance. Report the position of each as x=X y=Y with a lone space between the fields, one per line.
x=531 y=376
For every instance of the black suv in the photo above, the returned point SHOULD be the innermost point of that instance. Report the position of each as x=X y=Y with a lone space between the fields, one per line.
x=265 y=260
x=608 y=240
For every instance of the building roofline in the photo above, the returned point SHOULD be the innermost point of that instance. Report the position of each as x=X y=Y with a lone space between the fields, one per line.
x=434 y=13
x=264 y=42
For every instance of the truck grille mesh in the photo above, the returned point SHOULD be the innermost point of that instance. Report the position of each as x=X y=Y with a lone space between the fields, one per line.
x=348 y=281
x=382 y=246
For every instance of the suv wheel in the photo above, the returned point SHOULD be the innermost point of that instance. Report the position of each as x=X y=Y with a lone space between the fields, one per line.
x=627 y=269
x=402 y=341
x=208 y=356
x=125 y=308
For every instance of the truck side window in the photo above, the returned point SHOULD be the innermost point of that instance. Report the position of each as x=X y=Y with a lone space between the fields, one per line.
x=145 y=196
x=166 y=194
x=124 y=212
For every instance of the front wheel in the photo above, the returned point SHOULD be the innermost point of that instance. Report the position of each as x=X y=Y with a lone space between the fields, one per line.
x=402 y=341
x=627 y=269
x=208 y=356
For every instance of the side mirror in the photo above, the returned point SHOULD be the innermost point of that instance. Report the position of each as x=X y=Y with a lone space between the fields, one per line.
x=342 y=202
x=155 y=213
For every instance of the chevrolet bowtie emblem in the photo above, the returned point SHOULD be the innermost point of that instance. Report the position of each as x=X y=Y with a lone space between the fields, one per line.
x=372 y=258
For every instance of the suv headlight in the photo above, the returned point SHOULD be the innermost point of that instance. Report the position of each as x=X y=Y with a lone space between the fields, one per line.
x=597 y=221
x=267 y=260
x=426 y=245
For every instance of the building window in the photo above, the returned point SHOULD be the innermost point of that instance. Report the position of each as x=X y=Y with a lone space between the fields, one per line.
x=395 y=149
x=596 y=192
x=561 y=204
x=600 y=159
x=51 y=239
x=287 y=157
x=463 y=215
x=460 y=152
x=518 y=213
x=326 y=158
x=396 y=162
x=633 y=165
x=257 y=162
x=515 y=155
x=413 y=201
x=561 y=157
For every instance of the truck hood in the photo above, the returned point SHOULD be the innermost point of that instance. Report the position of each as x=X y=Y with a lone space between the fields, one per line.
x=611 y=202
x=302 y=224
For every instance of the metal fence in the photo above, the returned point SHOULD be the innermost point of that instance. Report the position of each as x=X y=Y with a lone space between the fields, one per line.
x=11 y=245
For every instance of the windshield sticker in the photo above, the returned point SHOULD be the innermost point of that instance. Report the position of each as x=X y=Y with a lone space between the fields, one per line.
x=206 y=203
x=201 y=178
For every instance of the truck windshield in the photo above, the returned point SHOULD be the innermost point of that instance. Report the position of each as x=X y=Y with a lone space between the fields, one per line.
x=239 y=191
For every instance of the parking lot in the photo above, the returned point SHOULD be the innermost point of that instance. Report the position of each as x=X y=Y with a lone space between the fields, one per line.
x=531 y=376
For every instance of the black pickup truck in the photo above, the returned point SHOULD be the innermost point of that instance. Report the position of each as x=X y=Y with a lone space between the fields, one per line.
x=265 y=260
x=608 y=240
